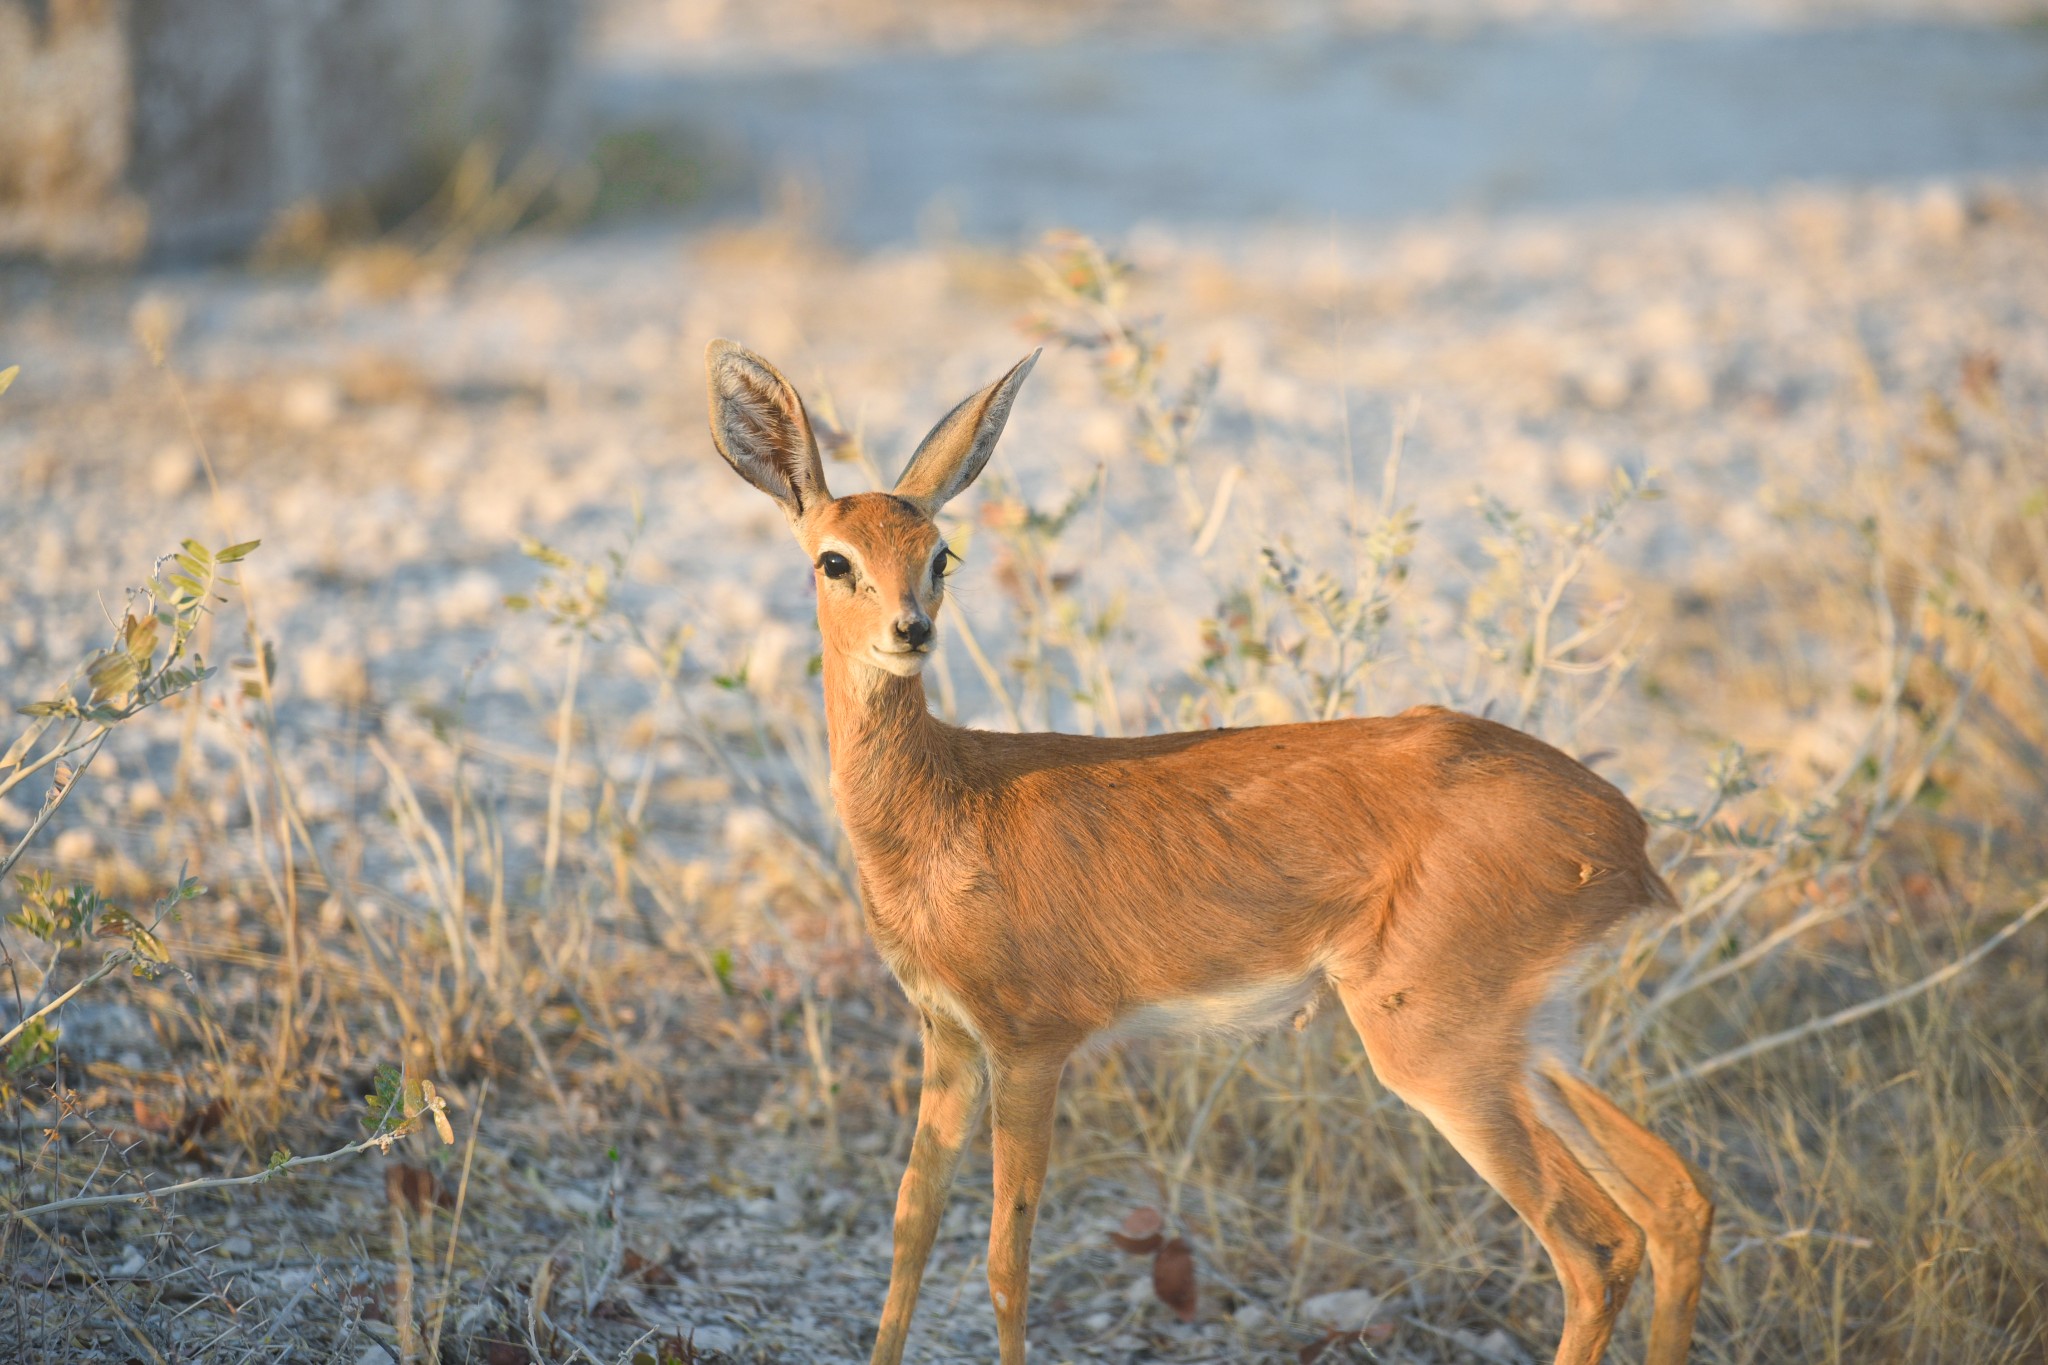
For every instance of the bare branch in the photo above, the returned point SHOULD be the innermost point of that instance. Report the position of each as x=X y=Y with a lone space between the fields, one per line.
x=1772 y=1041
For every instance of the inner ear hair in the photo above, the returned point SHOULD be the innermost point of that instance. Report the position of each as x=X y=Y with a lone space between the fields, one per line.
x=955 y=451
x=759 y=425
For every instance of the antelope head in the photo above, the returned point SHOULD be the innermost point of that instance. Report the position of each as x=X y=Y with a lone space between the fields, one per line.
x=880 y=560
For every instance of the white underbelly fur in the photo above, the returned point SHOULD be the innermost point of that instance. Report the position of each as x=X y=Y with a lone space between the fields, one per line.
x=1251 y=1008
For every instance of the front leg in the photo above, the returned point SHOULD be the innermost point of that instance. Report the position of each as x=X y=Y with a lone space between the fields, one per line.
x=1026 y=1088
x=948 y=1108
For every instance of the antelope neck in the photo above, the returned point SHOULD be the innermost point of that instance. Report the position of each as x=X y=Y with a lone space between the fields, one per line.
x=890 y=758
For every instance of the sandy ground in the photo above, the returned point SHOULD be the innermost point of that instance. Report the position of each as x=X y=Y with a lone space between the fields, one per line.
x=392 y=451
x=393 y=435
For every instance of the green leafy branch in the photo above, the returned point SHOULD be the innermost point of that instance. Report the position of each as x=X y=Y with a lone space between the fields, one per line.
x=577 y=595
x=1088 y=308
x=1519 y=552
x=150 y=660
x=67 y=918
x=398 y=1107
x=573 y=593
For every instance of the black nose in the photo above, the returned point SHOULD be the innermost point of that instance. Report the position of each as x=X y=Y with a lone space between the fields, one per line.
x=913 y=630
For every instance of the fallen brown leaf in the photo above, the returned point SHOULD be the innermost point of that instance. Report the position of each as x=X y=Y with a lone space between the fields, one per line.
x=1173 y=1278
x=1141 y=1232
x=151 y=1119
x=635 y=1266
x=199 y=1123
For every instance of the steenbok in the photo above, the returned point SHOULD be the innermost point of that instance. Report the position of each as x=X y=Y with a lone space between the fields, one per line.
x=1444 y=875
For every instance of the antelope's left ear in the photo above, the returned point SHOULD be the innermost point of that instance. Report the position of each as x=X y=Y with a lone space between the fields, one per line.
x=955 y=451
x=759 y=425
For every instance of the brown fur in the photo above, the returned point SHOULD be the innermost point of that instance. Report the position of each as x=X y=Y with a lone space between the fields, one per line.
x=1441 y=873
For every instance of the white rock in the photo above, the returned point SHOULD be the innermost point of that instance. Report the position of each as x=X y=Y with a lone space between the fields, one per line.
x=172 y=470
x=1606 y=383
x=1684 y=385
x=310 y=402
x=1495 y=1345
x=74 y=846
x=1344 y=1310
x=748 y=829
x=331 y=675
x=1583 y=465
x=1943 y=215
x=716 y=1338
x=472 y=598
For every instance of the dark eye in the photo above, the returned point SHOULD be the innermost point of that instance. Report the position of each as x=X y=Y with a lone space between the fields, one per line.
x=834 y=564
x=939 y=561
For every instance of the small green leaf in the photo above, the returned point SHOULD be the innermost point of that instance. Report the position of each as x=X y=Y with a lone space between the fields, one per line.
x=279 y=1159
x=112 y=675
x=383 y=1099
x=7 y=377
x=234 y=554
x=34 y=1045
x=148 y=945
x=545 y=554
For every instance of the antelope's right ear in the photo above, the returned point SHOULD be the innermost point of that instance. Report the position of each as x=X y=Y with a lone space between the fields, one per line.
x=954 y=452
x=759 y=425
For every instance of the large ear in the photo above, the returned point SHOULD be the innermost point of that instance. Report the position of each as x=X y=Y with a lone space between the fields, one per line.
x=759 y=425
x=949 y=458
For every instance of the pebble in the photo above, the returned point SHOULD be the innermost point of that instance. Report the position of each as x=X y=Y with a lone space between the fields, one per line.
x=1344 y=1310
x=331 y=675
x=1497 y=1345
x=715 y=1338
x=310 y=403
x=75 y=845
x=172 y=470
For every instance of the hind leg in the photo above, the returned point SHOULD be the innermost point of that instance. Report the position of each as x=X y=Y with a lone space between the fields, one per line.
x=1471 y=1080
x=1654 y=1186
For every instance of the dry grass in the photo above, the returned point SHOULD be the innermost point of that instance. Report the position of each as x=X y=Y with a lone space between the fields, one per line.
x=615 y=929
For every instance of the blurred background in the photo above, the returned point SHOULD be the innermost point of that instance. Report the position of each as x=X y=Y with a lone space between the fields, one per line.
x=1667 y=378
x=186 y=135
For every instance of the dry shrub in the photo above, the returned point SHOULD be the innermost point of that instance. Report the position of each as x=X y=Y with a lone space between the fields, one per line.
x=640 y=929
